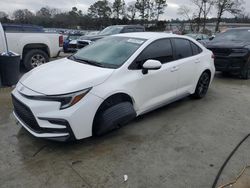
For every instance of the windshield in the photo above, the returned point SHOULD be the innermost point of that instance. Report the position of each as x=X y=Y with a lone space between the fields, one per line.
x=111 y=30
x=192 y=35
x=233 y=35
x=73 y=37
x=110 y=52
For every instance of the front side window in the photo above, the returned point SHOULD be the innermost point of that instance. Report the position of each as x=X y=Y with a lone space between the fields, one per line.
x=182 y=48
x=160 y=50
x=110 y=52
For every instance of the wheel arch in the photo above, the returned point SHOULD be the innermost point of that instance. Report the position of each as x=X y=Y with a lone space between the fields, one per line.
x=119 y=96
x=34 y=46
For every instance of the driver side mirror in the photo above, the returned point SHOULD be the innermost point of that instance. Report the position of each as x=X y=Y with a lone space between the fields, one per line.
x=151 y=65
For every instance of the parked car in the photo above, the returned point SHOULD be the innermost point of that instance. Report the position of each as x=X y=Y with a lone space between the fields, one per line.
x=232 y=52
x=109 y=83
x=70 y=43
x=111 y=30
x=201 y=38
x=34 y=45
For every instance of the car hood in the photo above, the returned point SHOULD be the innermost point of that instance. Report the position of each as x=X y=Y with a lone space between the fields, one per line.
x=92 y=38
x=227 y=44
x=64 y=76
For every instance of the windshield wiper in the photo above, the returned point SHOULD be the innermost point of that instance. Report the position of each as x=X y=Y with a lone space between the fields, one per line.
x=86 y=61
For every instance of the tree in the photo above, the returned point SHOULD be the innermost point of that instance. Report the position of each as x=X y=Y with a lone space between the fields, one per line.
x=142 y=6
x=44 y=12
x=230 y=6
x=207 y=5
x=186 y=12
x=131 y=11
x=199 y=4
x=160 y=5
x=3 y=14
x=23 y=15
x=100 y=9
x=118 y=6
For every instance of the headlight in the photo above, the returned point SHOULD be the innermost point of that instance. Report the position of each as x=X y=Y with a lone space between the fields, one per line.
x=66 y=100
x=71 y=99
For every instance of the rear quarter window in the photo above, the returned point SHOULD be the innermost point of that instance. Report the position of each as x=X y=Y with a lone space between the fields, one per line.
x=195 y=48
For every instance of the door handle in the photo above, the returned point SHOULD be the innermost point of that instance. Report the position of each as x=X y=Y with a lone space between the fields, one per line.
x=197 y=61
x=175 y=68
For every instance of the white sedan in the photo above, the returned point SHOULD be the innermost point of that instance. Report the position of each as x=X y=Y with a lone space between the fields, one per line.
x=109 y=83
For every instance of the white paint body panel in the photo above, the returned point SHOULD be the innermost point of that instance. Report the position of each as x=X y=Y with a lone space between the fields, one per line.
x=173 y=81
x=17 y=41
x=3 y=47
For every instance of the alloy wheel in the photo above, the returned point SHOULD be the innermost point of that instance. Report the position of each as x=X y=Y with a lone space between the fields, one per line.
x=37 y=60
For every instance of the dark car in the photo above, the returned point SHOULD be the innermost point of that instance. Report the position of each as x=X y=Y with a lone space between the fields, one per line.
x=111 y=30
x=70 y=43
x=232 y=52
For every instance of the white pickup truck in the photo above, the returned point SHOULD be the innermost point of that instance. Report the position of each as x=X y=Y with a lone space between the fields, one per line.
x=34 y=45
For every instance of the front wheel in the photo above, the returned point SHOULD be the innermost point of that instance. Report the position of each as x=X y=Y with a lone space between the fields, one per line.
x=35 y=58
x=245 y=73
x=202 y=86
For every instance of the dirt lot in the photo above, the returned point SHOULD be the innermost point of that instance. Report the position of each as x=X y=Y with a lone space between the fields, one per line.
x=180 y=145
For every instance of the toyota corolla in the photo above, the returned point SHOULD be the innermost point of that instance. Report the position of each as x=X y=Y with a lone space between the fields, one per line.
x=109 y=83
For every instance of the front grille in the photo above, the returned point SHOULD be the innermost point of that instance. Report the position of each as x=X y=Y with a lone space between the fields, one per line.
x=222 y=52
x=72 y=46
x=24 y=113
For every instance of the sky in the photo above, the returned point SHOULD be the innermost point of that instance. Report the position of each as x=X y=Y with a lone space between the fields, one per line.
x=170 y=12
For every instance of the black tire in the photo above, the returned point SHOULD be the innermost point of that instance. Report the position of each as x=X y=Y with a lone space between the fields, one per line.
x=202 y=86
x=245 y=73
x=34 y=58
x=113 y=117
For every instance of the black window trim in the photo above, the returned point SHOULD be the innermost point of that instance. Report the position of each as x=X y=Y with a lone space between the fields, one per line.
x=174 y=48
x=131 y=67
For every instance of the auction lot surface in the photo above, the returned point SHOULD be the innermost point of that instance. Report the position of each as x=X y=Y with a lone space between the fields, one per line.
x=180 y=145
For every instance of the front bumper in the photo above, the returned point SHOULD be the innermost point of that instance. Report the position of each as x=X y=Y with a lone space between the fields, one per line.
x=44 y=119
x=226 y=64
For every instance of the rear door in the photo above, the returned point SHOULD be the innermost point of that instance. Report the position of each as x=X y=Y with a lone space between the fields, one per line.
x=187 y=65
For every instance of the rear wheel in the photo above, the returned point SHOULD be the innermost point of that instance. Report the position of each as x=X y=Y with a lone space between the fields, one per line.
x=35 y=58
x=202 y=86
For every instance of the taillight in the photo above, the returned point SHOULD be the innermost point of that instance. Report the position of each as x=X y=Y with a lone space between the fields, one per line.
x=61 y=41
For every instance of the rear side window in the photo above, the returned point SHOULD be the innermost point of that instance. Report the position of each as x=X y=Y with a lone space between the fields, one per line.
x=139 y=29
x=160 y=50
x=196 y=49
x=128 y=30
x=182 y=48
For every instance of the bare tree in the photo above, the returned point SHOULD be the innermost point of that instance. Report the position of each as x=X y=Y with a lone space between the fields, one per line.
x=207 y=6
x=199 y=4
x=231 y=6
x=186 y=12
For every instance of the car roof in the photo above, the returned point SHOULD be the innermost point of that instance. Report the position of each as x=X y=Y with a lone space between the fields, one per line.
x=150 y=35
x=240 y=28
